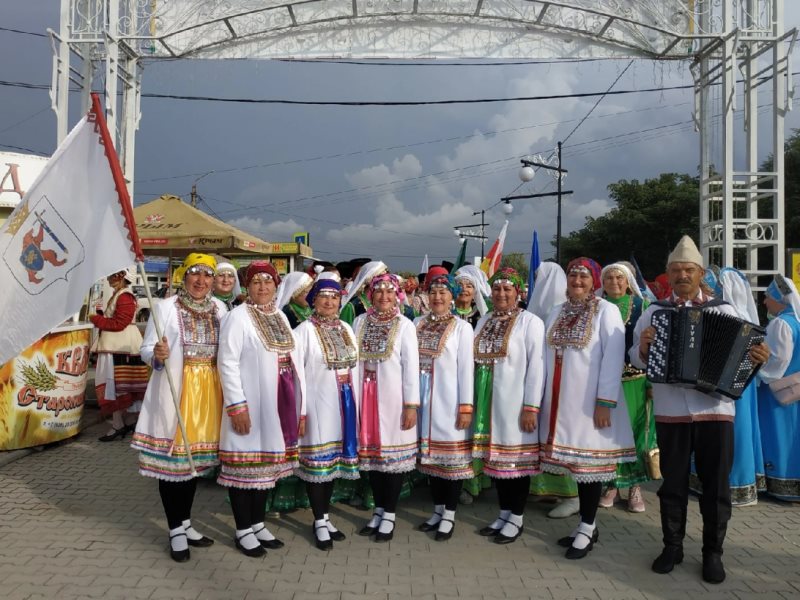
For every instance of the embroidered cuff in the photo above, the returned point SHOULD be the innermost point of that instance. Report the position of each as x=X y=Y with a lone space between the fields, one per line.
x=529 y=408
x=411 y=406
x=606 y=403
x=236 y=409
x=465 y=409
x=157 y=364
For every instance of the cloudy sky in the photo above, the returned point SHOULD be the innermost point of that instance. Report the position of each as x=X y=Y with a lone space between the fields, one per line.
x=387 y=182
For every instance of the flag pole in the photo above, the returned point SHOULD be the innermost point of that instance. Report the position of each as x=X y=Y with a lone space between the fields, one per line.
x=127 y=213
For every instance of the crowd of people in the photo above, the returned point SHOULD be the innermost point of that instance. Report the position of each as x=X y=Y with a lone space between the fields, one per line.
x=350 y=375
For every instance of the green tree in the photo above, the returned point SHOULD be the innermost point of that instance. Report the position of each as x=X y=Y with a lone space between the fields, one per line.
x=648 y=219
x=791 y=187
x=518 y=262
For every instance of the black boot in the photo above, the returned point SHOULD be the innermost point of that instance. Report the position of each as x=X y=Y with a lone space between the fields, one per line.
x=713 y=571
x=673 y=527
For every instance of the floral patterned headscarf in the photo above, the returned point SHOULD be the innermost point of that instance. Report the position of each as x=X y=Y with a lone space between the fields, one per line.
x=507 y=274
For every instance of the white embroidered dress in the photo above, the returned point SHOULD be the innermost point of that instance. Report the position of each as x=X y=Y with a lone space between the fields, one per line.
x=446 y=383
x=250 y=371
x=570 y=441
x=394 y=379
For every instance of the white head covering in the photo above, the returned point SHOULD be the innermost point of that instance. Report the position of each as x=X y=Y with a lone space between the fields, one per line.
x=686 y=251
x=329 y=275
x=622 y=268
x=481 y=284
x=226 y=266
x=290 y=285
x=549 y=289
x=365 y=275
x=130 y=274
x=785 y=288
x=736 y=291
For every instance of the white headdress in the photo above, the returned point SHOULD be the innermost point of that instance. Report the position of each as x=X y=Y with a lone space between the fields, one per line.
x=290 y=285
x=549 y=289
x=481 y=284
x=736 y=291
x=365 y=275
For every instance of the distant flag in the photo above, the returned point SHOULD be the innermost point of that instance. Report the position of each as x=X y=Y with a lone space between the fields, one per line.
x=73 y=226
x=491 y=263
x=461 y=259
x=424 y=268
x=535 y=262
x=640 y=281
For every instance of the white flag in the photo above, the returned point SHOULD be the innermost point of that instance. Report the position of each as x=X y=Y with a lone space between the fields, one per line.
x=424 y=268
x=69 y=230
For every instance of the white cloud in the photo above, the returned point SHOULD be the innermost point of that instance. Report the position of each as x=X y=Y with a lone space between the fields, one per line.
x=274 y=231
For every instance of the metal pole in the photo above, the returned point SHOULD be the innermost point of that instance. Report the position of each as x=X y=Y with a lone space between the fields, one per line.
x=483 y=231
x=558 y=215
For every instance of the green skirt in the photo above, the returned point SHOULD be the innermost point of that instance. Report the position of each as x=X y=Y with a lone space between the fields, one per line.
x=629 y=474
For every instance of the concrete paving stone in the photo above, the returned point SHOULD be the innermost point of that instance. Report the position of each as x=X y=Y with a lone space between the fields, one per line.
x=352 y=588
x=383 y=588
x=294 y=587
x=255 y=595
x=357 y=578
x=316 y=596
x=187 y=593
x=349 y=596
x=71 y=590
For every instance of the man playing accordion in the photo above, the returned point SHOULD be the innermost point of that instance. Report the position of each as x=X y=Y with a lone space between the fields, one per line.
x=688 y=420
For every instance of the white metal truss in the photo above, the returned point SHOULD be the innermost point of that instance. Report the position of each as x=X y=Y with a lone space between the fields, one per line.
x=728 y=39
x=741 y=204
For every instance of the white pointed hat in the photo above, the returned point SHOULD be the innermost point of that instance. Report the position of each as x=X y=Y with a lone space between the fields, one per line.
x=686 y=251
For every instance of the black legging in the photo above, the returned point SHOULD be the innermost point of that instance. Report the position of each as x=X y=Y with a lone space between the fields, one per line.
x=249 y=506
x=589 y=499
x=177 y=498
x=386 y=489
x=319 y=496
x=512 y=494
x=445 y=491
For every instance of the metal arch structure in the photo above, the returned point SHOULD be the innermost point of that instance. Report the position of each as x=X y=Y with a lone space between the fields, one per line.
x=732 y=44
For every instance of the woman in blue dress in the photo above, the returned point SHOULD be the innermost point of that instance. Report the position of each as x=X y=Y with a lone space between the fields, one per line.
x=780 y=423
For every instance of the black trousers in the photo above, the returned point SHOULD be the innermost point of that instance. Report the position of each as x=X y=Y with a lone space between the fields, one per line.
x=512 y=494
x=445 y=491
x=248 y=506
x=712 y=444
x=386 y=488
x=177 y=498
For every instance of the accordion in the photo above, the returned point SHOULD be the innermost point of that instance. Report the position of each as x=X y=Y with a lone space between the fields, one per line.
x=703 y=348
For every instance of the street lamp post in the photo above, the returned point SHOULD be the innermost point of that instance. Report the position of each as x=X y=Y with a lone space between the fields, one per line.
x=465 y=231
x=526 y=173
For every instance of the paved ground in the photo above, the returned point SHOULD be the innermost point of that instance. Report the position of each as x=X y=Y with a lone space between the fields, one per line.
x=76 y=521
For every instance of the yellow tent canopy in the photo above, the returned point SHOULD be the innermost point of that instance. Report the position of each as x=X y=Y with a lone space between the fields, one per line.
x=169 y=226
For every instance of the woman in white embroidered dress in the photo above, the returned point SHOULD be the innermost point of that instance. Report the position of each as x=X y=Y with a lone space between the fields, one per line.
x=585 y=359
x=388 y=374
x=187 y=352
x=446 y=383
x=329 y=448
x=509 y=380
x=264 y=387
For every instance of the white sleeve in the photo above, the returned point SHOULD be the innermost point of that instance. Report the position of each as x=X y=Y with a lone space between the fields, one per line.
x=160 y=310
x=781 y=347
x=611 y=330
x=298 y=361
x=535 y=371
x=409 y=363
x=231 y=342
x=642 y=324
x=466 y=363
